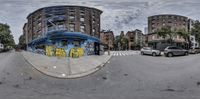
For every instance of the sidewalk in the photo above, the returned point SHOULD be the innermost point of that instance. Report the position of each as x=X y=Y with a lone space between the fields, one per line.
x=66 y=67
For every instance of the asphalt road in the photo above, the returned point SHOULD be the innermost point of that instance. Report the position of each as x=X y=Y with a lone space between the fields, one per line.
x=124 y=77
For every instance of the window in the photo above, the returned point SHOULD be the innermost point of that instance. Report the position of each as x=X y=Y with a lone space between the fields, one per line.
x=93 y=21
x=163 y=24
x=169 y=22
x=153 y=37
x=82 y=19
x=61 y=27
x=82 y=28
x=82 y=13
x=71 y=27
x=71 y=9
x=93 y=31
x=72 y=17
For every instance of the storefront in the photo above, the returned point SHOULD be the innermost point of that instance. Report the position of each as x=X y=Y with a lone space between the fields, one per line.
x=65 y=44
x=162 y=44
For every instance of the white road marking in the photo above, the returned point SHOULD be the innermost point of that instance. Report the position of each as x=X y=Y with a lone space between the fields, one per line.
x=125 y=53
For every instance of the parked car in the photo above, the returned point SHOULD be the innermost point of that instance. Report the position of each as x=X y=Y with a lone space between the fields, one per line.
x=194 y=50
x=175 y=51
x=150 y=51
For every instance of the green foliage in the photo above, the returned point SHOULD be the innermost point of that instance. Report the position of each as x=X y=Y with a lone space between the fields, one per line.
x=21 y=40
x=121 y=42
x=5 y=35
x=22 y=43
x=166 y=31
x=183 y=33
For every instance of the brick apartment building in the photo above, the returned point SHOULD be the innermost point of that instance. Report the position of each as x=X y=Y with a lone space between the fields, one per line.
x=135 y=39
x=176 y=22
x=107 y=39
x=66 y=27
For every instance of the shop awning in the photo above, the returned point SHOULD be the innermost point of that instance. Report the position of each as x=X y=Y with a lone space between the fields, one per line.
x=70 y=35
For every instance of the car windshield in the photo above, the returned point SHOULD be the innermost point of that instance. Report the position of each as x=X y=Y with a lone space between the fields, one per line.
x=147 y=48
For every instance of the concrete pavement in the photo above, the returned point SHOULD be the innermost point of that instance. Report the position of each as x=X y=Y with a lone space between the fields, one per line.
x=124 y=77
x=66 y=67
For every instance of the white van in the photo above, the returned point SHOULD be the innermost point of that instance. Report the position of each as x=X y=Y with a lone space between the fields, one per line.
x=1 y=47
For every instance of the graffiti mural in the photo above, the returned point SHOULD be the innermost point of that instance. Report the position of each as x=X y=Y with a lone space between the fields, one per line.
x=76 y=52
x=53 y=51
x=65 y=44
x=49 y=51
x=60 y=52
x=90 y=48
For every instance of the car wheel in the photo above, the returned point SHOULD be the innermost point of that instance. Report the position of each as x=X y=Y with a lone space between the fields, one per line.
x=153 y=54
x=169 y=54
x=186 y=53
x=196 y=52
x=142 y=53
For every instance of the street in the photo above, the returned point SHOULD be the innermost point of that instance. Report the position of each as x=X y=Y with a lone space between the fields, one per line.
x=123 y=77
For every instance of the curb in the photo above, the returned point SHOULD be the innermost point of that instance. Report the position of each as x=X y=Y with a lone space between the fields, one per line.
x=72 y=76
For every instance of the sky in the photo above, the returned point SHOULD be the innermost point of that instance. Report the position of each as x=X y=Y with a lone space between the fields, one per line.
x=118 y=15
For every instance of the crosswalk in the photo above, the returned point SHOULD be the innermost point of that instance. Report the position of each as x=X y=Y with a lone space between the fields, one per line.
x=124 y=53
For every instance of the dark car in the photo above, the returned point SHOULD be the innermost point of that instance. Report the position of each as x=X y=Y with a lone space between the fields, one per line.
x=175 y=51
x=194 y=50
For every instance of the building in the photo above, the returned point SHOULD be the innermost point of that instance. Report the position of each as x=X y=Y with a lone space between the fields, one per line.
x=175 y=21
x=25 y=31
x=194 y=43
x=65 y=27
x=107 y=39
x=160 y=43
x=135 y=39
x=190 y=24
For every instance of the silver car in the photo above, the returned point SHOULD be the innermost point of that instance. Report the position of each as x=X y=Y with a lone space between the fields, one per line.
x=150 y=51
x=174 y=51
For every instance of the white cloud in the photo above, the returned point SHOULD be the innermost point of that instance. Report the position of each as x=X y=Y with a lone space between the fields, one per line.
x=117 y=14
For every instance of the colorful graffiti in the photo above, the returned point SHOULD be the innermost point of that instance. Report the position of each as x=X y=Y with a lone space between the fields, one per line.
x=52 y=51
x=76 y=52
x=60 y=52
x=49 y=51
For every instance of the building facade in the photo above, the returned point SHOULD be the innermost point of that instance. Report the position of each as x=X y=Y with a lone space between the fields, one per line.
x=64 y=27
x=135 y=39
x=175 y=21
x=107 y=38
x=157 y=42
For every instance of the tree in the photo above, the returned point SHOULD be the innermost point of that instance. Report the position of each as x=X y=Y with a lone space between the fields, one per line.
x=5 y=35
x=166 y=31
x=185 y=34
x=22 y=43
x=121 y=42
